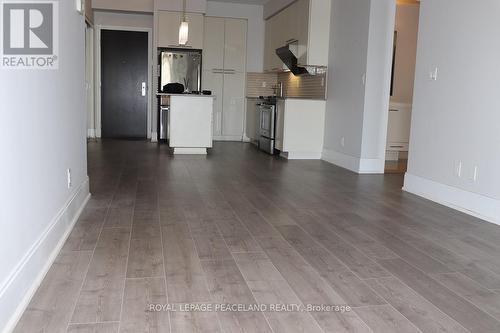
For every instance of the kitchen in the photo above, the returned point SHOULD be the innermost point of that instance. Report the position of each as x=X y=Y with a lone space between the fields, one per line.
x=237 y=45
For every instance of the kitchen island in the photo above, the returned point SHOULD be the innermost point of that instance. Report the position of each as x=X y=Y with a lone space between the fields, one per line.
x=190 y=122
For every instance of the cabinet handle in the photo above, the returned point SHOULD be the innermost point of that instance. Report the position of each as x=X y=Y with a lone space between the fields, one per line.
x=393 y=110
x=397 y=146
x=292 y=40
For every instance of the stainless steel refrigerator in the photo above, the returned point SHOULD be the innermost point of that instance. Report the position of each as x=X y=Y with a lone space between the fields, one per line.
x=180 y=66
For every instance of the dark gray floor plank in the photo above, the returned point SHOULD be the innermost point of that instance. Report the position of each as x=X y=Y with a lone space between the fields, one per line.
x=102 y=291
x=227 y=286
x=414 y=307
x=93 y=328
x=353 y=290
x=136 y=316
x=385 y=319
x=51 y=307
x=185 y=278
x=450 y=303
x=269 y=287
x=483 y=298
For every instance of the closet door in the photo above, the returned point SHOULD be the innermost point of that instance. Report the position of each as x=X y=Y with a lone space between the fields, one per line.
x=214 y=81
x=213 y=52
x=235 y=45
x=233 y=106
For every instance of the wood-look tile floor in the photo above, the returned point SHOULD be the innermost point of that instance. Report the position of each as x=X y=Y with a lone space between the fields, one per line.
x=239 y=226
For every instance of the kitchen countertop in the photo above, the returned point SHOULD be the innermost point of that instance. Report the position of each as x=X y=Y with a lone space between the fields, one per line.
x=184 y=95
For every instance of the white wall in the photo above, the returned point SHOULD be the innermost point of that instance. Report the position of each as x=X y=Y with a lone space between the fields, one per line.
x=128 y=5
x=256 y=29
x=407 y=16
x=457 y=118
x=36 y=207
x=123 y=19
x=273 y=6
x=361 y=34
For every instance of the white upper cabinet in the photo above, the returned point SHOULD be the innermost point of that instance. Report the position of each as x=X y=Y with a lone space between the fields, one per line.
x=305 y=24
x=213 y=53
x=168 y=29
x=235 y=45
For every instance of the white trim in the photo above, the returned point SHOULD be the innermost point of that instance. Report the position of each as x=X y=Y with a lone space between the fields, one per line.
x=91 y=133
x=246 y=138
x=228 y=138
x=98 y=29
x=474 y=204
x=26 y=277
x=372 y=165
x=301 y=155
x=354 y=164
x=154 y=137
x=190 y=151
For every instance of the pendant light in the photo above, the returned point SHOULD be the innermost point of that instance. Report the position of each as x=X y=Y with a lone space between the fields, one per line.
x=184 y=28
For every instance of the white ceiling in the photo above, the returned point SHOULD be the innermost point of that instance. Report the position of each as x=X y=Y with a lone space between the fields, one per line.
x=249 y=2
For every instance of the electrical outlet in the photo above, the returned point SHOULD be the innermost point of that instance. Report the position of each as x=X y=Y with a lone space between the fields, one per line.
x=322 y=81
x=458 y=169
x=475 y=175
x=68 y=175
x=342 y=141
x=264 y=84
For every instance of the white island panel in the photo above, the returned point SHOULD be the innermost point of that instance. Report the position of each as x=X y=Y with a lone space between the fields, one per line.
x=191 y=124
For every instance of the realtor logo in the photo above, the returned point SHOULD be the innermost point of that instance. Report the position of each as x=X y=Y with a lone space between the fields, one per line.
x=29 y=34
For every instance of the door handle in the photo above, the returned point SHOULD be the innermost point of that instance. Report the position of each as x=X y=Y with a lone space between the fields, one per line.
x=143 y=89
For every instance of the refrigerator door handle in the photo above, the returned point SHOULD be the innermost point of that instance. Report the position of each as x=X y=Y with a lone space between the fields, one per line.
x=143 y=89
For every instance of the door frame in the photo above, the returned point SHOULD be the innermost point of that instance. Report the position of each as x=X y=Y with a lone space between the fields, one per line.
x=97 y=75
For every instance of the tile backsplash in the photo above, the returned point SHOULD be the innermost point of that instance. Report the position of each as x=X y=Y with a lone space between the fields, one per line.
x=261 y=84
x=304 y=86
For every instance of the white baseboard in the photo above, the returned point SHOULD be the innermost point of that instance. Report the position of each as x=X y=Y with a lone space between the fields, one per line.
x=474 y=204
x=228 y=138
x=354 y=164
x=154 y=137
x=24 y=280
x=190 y=151
x=301 y=155
x=91 y=133
x=246 y=139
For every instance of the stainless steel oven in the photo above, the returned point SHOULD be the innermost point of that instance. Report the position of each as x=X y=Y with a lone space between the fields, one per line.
x=267 y=126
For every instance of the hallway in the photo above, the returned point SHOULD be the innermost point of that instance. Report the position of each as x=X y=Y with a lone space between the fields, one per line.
x=241 y=227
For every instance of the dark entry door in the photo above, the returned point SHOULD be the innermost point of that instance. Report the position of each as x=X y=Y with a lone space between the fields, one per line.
x=124 y=69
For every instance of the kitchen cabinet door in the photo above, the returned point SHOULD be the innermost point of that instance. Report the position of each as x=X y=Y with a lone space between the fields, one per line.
x=301 y=15
x=214 y=81
x=278 y=40
x=168 y=28
x=196 y=26
x=233 y=106
x=213 y=52
x=268 y=46
x=235 y=45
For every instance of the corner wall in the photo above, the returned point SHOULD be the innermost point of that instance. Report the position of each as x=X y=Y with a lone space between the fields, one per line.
x=454 y=153
x=42 y=133
x=358 y=84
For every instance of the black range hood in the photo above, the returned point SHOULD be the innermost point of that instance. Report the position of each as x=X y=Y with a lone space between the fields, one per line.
x=290 y=60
